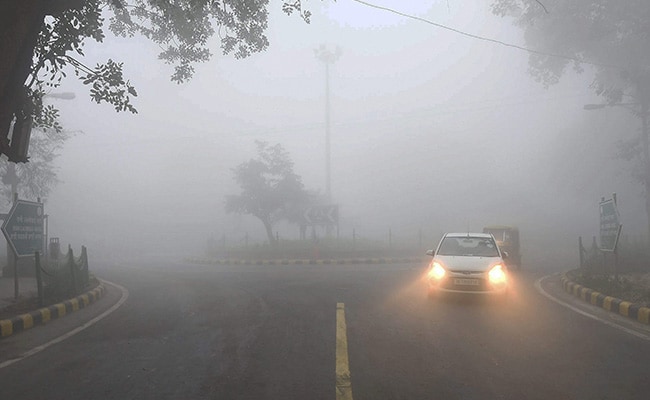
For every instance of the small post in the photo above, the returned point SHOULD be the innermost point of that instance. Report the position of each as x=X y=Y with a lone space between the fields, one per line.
x=618 y=235
x=39 y=279
x=73 y=273
x=581 y=250
x=616 y=264
x=84 y=266
x=45 y=249
x=14 y=259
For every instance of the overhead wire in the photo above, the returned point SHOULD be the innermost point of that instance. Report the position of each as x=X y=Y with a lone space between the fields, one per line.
x=487 y=39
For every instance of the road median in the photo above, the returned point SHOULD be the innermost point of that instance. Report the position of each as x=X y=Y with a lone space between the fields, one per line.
x=625 y=308
x=19 y=323
x=360 y=260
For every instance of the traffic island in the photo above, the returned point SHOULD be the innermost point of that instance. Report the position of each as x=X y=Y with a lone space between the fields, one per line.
x=43 y=315
x=609 y=303
x=397 y=260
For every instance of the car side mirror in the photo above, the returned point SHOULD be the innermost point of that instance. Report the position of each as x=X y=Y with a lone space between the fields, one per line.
x=430 y=253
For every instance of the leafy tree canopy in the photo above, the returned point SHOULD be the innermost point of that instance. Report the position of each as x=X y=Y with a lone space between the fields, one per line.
x=270 y=190
x=611 y=35
x=37 y=177
x=40 y=39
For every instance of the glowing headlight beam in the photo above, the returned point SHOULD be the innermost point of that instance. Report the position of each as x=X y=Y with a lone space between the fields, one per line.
x=437 y=271
x=497 y=275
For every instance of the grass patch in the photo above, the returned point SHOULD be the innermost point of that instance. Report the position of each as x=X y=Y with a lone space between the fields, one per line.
x=627 y=287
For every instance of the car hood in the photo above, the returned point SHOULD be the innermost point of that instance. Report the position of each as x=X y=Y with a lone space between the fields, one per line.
x=468 y=263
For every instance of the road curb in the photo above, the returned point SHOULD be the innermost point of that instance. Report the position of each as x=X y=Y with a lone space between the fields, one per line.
x=609 y=303
x=41 y=316
x=397 y=260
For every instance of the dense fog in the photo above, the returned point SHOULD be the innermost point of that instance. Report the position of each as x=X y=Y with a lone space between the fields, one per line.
x=430 y=130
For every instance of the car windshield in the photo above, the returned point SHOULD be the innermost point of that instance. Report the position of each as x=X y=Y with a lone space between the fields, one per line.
x=468 y=246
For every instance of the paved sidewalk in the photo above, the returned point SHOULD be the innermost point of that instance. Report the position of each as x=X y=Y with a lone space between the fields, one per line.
x=26 y=289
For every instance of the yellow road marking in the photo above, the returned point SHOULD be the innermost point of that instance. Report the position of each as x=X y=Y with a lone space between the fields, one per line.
x=644 y=315
x=28 y=321
x=624 y=308
x=6 y=327
x=45 y=314
x=75 y=304
x=343 y=382
x=61 y=309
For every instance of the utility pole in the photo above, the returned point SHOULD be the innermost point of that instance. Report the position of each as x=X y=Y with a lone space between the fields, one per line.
x=328 y=57
x=646 y=160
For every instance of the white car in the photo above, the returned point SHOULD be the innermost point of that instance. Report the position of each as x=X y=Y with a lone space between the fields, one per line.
x=467 y=263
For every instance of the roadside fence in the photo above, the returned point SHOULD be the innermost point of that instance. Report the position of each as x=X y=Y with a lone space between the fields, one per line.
x=67 y=276
x=631 y=255
x=354 y=244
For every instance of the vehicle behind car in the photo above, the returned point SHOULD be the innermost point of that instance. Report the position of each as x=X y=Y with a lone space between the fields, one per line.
x=470 y=263
x=507 y=238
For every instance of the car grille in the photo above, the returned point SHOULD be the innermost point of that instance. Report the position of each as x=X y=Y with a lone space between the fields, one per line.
x=467 y=272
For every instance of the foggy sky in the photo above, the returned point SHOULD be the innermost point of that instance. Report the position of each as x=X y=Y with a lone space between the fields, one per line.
x=430 y=130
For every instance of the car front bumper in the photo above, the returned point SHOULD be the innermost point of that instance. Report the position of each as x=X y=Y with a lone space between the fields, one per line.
x=467 y=283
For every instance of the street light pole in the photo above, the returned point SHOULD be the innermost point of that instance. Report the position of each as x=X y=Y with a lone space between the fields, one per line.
x=646 y=158
x=328 y=57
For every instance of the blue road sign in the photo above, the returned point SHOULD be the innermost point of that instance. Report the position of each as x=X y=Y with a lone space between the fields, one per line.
x=23 y=228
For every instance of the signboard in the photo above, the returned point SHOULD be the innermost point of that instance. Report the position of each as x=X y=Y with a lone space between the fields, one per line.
x=23 y=228
x=610 y=227
x=327 y=214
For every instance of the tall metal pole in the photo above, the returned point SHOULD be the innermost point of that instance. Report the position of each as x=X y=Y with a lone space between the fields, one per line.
x=328 y=57
x=328 y=155
x=646 y=160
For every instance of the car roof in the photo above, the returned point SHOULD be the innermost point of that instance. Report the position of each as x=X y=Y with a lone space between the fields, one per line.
x=509 y=227
x=469 y=234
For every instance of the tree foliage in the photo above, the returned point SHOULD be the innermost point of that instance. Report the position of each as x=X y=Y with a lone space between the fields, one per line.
x=610 y=35
x=613 y=38
x=270 y=190
x=39 y=40
x=37 y=177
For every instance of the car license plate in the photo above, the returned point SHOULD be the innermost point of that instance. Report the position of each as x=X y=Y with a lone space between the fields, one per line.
x=466 y=282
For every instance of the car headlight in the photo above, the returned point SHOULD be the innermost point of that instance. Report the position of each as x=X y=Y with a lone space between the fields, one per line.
x=437 y=271
x=497 y=275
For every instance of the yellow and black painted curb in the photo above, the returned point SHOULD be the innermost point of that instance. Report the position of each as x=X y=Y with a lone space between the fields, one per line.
x=307 y=261
x=23 y=322
x=609 y=303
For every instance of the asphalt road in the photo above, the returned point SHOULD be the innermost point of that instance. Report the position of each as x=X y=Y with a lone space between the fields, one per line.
x=270 y=332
